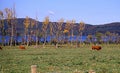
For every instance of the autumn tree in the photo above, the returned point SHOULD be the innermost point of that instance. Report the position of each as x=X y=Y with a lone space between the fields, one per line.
x=32 y=30
x=67 y=29
x=69 y=26
x=36 y=31
x=59 y=30
x=10 y=15
x=44 y=29
x=52 y=30
x=26 y=24
x=81 y=28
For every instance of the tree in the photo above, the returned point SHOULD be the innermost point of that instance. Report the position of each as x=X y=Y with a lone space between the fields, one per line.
x=10 y=15
x=99 y=37
x=51 y=30
x=1 y=20
x=90 y=38
x=72 y=32
x=67 y=29
x=65 y=32
x=2 y=27
x=59 y=30
x=26 y=24
x=81 y=28
x=108 y=36
x=33 y=23
x=14 y=23
x=37 y=31
x=44 y=29
x=117 y=40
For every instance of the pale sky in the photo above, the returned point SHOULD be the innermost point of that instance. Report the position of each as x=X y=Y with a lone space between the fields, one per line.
x=90 y=11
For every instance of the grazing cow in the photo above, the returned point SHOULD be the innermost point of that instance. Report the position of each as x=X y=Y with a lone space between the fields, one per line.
x=96 y=47
x=0 y=48
x=22 y=47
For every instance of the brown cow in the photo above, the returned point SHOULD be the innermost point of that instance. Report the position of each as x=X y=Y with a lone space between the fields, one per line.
x=96 y=47
x=22 y=47
x=0 y=48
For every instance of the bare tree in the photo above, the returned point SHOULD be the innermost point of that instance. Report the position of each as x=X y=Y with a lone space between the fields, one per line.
x=35 y=23
x=8 y=17
x=37 y=31
x=2 y=26
x=72 y=30
x=14 y=23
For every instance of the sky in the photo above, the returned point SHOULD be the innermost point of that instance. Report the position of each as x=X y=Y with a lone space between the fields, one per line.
x=93 y=12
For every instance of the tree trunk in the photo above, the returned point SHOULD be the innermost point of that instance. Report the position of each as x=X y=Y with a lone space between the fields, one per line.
x=56 y=45
x=44 y=41
x=3 y=40
x=11 y=38
x=72 y=38
x=80 y=38
x=77 y=42
x=36 y=40
x=28 y=40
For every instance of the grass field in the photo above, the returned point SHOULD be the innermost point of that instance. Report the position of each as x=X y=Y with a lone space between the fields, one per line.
x=61 y=60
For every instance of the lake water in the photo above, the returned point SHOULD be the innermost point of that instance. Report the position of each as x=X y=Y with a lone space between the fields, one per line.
x=20 y=38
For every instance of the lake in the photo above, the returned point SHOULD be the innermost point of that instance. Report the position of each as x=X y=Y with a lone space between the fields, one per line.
x=20 y=38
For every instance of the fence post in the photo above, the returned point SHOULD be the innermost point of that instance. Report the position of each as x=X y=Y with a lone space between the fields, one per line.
x=33 y=68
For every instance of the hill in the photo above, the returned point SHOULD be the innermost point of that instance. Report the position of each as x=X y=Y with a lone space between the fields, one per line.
x=89 y=29
x=111 y=27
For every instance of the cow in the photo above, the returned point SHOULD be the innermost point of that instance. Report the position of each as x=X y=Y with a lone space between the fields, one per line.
x=22 y=47
x=96 y=47
x=0 y=48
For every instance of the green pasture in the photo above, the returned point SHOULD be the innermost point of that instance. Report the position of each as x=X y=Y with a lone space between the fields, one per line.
x=61 y=60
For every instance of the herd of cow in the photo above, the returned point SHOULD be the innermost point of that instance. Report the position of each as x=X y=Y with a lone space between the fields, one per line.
x=95 y=47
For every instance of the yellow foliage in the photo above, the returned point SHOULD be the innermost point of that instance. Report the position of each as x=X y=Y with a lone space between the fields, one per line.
x=46 y=21
x=82 y=26
x=26 y=22
x=32 y=23
x=65 y=31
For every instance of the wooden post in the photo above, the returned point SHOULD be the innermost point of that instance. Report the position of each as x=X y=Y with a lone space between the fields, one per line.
x=91 y=71
x=33 y=68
